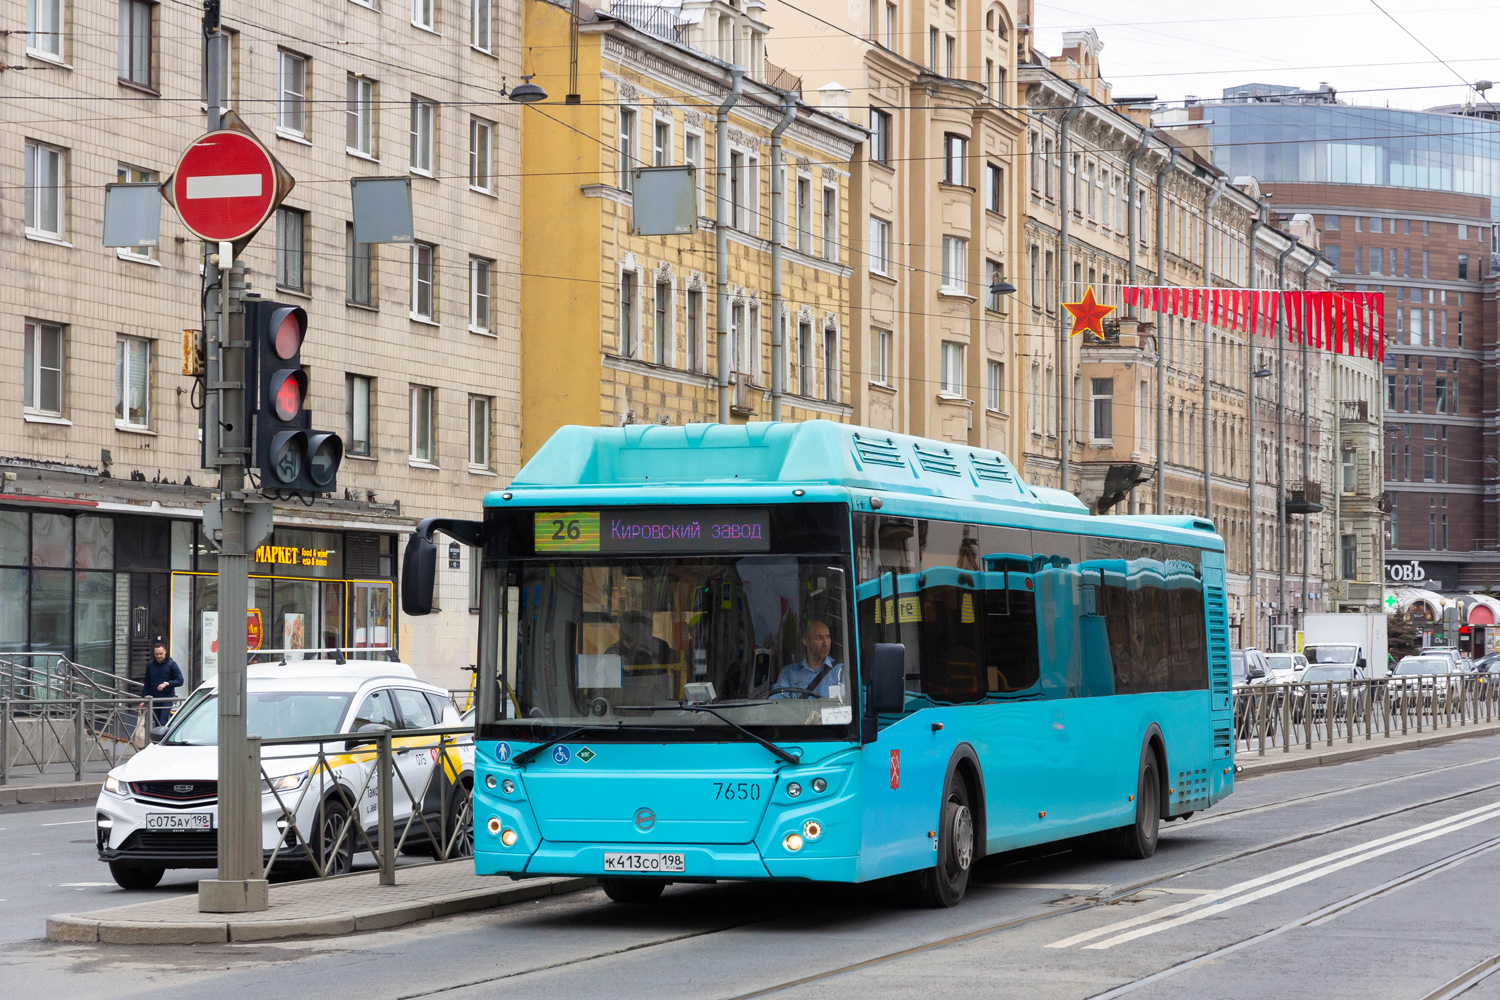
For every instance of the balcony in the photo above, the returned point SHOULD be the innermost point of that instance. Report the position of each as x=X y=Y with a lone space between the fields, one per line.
x=1304 y=498
x=1354 y=411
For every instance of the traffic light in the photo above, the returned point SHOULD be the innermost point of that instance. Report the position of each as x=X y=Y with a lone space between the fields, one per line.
x=290 y=456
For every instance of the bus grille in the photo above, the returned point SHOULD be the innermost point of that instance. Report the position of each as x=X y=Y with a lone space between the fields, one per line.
x=879 y=452
x=940 y=462
x=992 y=469
x=1218 y=641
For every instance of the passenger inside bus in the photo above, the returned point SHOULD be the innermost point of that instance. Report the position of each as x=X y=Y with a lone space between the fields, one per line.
x=816 y=675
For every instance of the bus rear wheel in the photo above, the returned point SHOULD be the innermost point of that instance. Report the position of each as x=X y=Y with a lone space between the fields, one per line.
x=944 y=884
x=633 y=890
x=1138 y=840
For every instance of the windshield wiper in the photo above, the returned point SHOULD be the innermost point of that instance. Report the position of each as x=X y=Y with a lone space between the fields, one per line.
x=525 y=756
x=685 y=707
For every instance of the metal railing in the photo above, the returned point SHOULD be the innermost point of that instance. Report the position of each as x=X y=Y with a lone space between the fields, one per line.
x=53 y=737
x=46 y=675
x=1282 y=716
x=355 y=796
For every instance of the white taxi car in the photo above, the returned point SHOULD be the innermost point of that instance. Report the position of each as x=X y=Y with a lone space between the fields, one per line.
x=159 y=809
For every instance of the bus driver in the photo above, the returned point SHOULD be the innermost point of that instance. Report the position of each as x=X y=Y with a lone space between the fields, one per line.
x=815 y=675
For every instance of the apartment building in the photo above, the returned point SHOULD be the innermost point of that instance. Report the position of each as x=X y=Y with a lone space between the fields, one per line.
x=412 y=349
x=620 y=328
x=935 y=211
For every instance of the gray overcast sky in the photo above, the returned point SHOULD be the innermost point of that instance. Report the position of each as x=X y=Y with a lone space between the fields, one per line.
x=1173 y=48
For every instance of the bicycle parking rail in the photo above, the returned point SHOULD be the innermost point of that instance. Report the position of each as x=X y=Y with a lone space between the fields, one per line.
x=1302 y=714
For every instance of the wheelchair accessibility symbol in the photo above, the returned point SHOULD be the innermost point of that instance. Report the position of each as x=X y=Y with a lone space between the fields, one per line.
x=561 y=754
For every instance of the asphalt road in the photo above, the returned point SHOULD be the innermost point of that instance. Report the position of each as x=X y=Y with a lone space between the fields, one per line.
x=1370 y=880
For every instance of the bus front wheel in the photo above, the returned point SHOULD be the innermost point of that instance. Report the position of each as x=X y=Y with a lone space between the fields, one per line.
x=1138 y=840
x=633 y=890
x=944 y=883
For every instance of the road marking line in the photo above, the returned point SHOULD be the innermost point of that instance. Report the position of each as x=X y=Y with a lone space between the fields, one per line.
x=71 y=822
x=1477 y=815
x=82 y=885
x=1073 y=886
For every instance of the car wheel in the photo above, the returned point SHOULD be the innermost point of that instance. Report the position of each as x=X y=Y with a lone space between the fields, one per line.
x=633 y=890
x=332 y=855
x=460 y=832
x=135 y=876
x=945 y=883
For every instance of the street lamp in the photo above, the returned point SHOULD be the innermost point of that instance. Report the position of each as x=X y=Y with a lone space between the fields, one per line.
x=527 y=92
x=1262 y=373
x=1002 y=287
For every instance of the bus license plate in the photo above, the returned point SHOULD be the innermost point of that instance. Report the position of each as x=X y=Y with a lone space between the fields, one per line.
x=179 y=821
x=644 y=862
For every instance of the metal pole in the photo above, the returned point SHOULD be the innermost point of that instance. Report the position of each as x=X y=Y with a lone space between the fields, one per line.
x=1208 y=357
x=1064 y=370
x=721 y=230
x=1255 y=226
x=5 y=742
x=1281 y=327
x=1307 y=446
x=778 y=241
x=387 y=814
x=78 y=740
x=1161 y=354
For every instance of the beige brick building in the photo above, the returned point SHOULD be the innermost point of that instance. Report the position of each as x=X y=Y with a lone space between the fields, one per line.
x=412 y=350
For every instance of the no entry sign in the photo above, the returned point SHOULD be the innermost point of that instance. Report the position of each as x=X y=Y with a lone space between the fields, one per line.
x=226 y=185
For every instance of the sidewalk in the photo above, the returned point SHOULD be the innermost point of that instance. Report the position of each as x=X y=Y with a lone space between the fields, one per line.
x=314 y=908
x=1250 y=763
x=26 y=786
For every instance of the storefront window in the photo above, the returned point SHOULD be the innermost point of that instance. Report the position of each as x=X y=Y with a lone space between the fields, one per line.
x=13 y=609
x=95 y=632
x=14 y=544
x=51 y=540
x=51 y=609
x=94 y=542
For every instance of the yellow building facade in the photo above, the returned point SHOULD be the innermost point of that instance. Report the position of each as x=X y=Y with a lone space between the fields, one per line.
x=618 y=328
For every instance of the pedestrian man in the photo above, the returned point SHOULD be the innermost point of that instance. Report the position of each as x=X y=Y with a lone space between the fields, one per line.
x=163 y=678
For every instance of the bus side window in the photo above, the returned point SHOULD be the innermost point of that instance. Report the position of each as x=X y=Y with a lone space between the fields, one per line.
x=1011 y=654
x=950 y=636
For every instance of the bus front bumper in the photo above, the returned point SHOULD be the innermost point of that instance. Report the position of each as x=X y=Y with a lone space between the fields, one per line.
x=701 y=862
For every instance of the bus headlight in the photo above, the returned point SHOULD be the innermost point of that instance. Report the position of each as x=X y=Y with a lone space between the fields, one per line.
x=793 y=842
x=508 y=838
x=794 y=789
x=812 y=829
x=819 y=785
x=509 y=787
x=489 y=782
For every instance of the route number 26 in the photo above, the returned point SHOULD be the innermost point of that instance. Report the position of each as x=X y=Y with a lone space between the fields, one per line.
x=566 y=529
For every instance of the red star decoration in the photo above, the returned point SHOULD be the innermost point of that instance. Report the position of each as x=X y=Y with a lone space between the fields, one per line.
x=1088 y=314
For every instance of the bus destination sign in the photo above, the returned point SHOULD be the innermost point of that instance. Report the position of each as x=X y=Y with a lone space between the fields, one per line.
x=728 y=529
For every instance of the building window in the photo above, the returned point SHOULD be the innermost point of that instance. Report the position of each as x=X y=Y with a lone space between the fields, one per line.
x=932 y=49
x=950 y=60
x=880 y=356
x=1349 y=557
x=880 y=245
x=1348 y=469
x=996 y=274
x=880 y=138
x=357 y=424
x=994 y=188
x=692 y=155
x=1390 y=392
x=890 y=26
x=357 y=269
x=132 y=382
x=955 y=148
x=479 y=433
x=661 y=322
x=44 y=190
x=423 y=424
x=423 y=268
x=628 y=343
x=694 y=330
x=481 y=155
x=955 y=267
x=44 y=27
x=831 y=364
x=661 y=144
x=482 y=15
x=830 y=224
x=1463 y=267
x=360 y=118
x=627 y=147
x=804 y=214
x=43 y=377
x=993 y=381
x=1102 y=406
x=422 y=12
x=806 y=374
x=135 y=41
x=291 y=93
x=951 y=369
x=125 y=174
x=423 y=129
x=291 y=235
x=481 y=277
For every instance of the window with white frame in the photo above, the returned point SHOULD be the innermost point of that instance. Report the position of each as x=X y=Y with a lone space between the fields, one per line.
x=125 y=174
x=132 y=382
x=831 y=223
x=880 y=138
x=358 y=272
x=136 y=41
x=44 y=169
x=994 y=274
x=481 y=278
x=736 y=333
x=751 y=363
x=831 y=363
x=694 y=331
x=692 y=155
x=804 y=214
x=629 y=340
x=807 y=376
x=880 y=356
x=291 y=93
x=1102 y=408
x=480 y=408
x=358 y=394
x=955 y=263
x=627 y=146
x=360 y=116
x=661 y=322
x=423 y=271
x=43 y=376
x=994 y=188
x=423 y=424
x=423 y=13
x=880 y=245
x=481 y=13
x=481 y=155
x=951 y=369
x=955 y=148
x=661 y=143
x=45 y=21
x=291 y=247
x=994 y=380
x=423 y=132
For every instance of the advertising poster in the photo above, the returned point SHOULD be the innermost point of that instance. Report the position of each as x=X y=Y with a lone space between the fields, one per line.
x=210 y=644
x=293 y=630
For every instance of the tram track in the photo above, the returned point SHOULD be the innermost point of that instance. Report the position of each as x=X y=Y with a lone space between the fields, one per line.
x=1112 y=896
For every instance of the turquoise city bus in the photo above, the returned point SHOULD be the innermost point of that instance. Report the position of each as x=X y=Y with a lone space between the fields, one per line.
x=822 y=652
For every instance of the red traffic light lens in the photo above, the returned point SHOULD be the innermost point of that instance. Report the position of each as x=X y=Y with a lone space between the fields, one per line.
x=286 y=339
x=288 y=391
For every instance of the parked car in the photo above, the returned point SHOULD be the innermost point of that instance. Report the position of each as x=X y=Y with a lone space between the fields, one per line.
x=1248 y=666
x=1425 y=679
x=1460 y=661
x=159 y=809
x=1327 y=691
x=1285 y=667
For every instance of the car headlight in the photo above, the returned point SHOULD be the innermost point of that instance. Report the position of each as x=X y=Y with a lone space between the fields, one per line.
x=115 y=786
x=286 y=783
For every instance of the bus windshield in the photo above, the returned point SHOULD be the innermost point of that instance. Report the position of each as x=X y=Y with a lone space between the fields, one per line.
x=761 y=639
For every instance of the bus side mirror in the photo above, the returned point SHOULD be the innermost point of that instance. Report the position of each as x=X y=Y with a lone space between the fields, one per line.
x=888 y=678
x=418 y=575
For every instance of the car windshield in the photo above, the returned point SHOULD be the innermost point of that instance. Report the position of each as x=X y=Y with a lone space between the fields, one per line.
x=1323 y=674
x=1424 y=665
x=271 y=715
x=760 y=639
x=1335 y=653
x=1237 y=661
x=1281 y=661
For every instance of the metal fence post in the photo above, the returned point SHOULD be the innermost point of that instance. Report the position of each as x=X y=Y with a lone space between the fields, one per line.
x=252 y=758
x=441 y=777
x=387 y=815
x=78 y=742
x=1286 y=721
x=5 y=742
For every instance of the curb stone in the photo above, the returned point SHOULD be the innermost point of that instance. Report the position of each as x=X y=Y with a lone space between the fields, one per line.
x=28 y=795
x=1336 y=755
